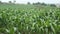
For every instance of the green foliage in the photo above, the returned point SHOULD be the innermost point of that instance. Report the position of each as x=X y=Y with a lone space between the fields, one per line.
x=53 y=5
x=30 y=20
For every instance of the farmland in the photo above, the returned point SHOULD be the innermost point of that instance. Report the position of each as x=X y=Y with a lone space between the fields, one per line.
x=29 y=19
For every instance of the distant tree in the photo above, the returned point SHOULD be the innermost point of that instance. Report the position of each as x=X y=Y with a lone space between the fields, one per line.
x=0 y=2
x=28 y=3
x=33 y=3
x=14 y=1
x=38 y=3
x=53 y=5
x=10 y=2
x=43 y=4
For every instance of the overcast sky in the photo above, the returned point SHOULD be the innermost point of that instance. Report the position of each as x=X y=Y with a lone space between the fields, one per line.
x=33 y=1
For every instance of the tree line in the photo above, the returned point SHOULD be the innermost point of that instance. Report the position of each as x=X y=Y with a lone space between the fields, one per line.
x=9 y=2
x=37 y=3
x=44 y=4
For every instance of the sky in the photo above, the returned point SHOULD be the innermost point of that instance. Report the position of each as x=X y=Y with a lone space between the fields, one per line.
x=34 y=1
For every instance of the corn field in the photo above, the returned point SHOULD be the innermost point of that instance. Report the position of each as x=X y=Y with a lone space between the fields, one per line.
x=30 y=21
